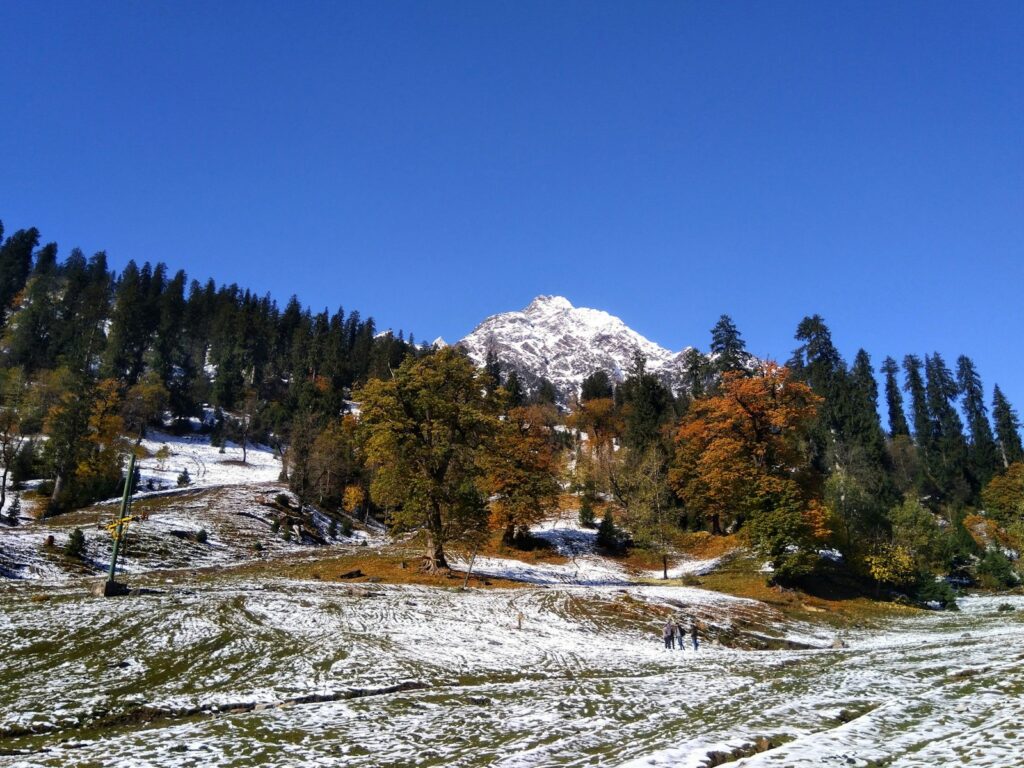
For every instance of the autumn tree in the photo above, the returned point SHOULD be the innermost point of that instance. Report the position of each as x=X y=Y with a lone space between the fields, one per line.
x=425 y=429
x=335 y=461
x=143 y=403
x=521 y=468
x=741 y=456
x=1004 y=495
x=640 y=485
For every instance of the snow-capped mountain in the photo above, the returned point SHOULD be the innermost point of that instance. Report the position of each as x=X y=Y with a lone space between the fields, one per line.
x=564 y=344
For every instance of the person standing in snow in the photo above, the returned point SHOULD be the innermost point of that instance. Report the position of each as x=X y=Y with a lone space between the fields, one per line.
x=681 y=634
x=669 y=634
x=693 y=635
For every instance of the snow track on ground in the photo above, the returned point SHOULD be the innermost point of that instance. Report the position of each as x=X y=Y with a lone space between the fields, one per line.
x=585 y=681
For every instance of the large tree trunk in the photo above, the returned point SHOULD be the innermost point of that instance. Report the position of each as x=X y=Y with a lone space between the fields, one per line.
x=716 y=525
x=58 y=486
x=508 y=538
x=433 y=558
x=664 y=566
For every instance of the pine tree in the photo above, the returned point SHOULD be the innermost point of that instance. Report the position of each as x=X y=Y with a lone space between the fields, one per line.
x=728 y=350
x=914 y=386
x=946 y=457
x=648 y=406
x=32 y=330
x=15 y=265
x=128 y=337
x=514 y=390
x=545 y=393
x=1007 y=429
x=697 y=374
x=894 y=400
x=597 y=385
x=492 y=370
x=818 y=363
x=864 y=426
x=983 y=452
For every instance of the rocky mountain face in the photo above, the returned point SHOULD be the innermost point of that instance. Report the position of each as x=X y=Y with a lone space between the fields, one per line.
x=564 y=344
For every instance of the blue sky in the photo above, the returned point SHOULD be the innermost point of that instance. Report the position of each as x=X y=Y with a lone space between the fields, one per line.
x=433 y=163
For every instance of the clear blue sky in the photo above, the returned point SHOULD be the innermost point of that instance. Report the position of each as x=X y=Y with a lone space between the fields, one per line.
x=431 y=163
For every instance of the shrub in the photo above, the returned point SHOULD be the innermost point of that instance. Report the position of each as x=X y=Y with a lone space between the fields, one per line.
x=258 y=546
x=184 y=479
x=14 y=511
x=931 y=591
x=332 y=528
x=283 y=500
x=1005 y=608
x=586 y=513
x=995 y=570
x=346 y=527
x=25 y=465
x=891 y=564
x=609 y=537
x=275 y=526
x=202 y=536
x=76 y=544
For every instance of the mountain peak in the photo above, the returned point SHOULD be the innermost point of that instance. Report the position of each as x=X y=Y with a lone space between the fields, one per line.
x=549 y=304
x=553 y=340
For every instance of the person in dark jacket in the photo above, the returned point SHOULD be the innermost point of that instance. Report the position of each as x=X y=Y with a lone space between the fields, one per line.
x=681 y=635
x=693 y=635
x=669 y=634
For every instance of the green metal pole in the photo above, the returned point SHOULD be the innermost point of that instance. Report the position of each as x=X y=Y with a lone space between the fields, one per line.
x=125 y=502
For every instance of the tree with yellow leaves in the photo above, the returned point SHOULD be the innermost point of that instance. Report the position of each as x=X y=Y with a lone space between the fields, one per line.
x=425 y=429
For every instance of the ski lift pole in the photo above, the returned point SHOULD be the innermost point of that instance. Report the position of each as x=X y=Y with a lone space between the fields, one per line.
x=126 y=501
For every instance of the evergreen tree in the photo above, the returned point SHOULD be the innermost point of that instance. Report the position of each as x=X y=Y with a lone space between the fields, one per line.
x=514 y=390
x=15 y=265
x=728 y=350
x=545 y=393
x=128 y=337
x=697 y=374
x=648 y=406
x=864 y=426
x=914 y=386
x=170 y=359
x=984 y=454
x=818 y=363
x=894 y=400
x=595 y=386
x=32 y=331
x=1007 y=429
x=492 y=370
x=946 y=457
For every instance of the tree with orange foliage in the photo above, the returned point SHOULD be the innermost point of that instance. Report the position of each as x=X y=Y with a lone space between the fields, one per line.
x=741 y=457
x=521 y=471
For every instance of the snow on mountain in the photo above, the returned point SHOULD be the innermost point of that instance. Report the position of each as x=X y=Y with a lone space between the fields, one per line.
x=564 y=344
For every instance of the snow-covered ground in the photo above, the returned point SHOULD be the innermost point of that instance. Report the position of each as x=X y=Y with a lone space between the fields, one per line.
x=206 y=465
x=584 y=567
x=585 y=681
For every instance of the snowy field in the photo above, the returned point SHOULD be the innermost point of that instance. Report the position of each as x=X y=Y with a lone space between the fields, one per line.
x=584 y=567
x=231 y=501
x=220 y=663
